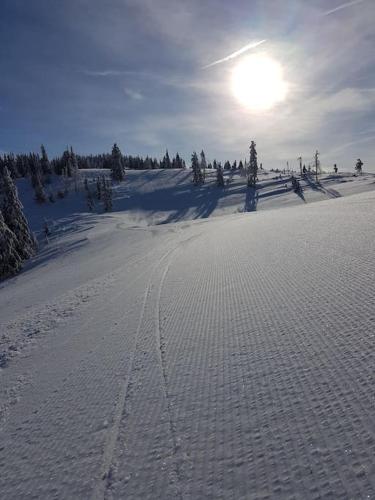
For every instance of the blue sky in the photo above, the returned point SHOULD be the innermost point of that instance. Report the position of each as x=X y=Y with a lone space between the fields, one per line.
x=90 y=73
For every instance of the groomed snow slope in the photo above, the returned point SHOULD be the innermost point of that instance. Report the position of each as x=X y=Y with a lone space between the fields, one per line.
x=224 y=358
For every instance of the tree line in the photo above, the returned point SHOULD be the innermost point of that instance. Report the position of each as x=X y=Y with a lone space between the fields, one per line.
x=23 y=165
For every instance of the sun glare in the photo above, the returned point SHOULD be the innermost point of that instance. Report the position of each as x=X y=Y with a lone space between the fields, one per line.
x=258 y=83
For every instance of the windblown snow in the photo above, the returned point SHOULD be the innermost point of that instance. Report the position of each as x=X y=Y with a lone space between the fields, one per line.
x=196 y=343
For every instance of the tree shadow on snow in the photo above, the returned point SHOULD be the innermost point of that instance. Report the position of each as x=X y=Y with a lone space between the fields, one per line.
x=251 y=201
x=178 y=200
x=316 y=186
x=49 y=252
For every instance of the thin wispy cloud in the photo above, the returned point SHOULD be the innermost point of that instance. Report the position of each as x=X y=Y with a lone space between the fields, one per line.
x=133 y=94
x=353 y=143
x=108 y=72
x=244 y=49
x=342 y=6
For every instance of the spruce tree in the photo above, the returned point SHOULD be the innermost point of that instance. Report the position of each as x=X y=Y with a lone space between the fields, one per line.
x=117 y=169
x=179 y=163
x=15 y=219
x=166 y=161
x=197 y=174
x=252 y=170
x=10 y=260
x=66 y=163
x=36 y=179
x=203 y=164
x=219 y=176
x=74 y=169
x=44 y=162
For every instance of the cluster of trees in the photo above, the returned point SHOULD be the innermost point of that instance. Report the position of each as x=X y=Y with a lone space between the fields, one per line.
x=131 y=162
x=17 y=242
x=39 y=169
x=22 y=165
x=199 y=166
x=100 y=190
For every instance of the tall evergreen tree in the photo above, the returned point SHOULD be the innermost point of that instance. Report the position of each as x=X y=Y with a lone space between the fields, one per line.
x=15 y=219
x=219 y=176
x=74 y=169
x=179 y=163
x=36 y=179
x=166 y=163
x=203 y=164
x=252 y=170
x=44 y=162
x=197 y=173
x=117 y=168
x=66 y=162
x=10 y=260
x=203 y=160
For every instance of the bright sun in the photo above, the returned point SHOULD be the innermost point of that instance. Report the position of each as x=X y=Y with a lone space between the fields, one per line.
x=258 y=83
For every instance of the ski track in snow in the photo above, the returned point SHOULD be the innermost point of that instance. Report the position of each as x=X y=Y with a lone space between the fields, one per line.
x=105 y=477
x=232 y=360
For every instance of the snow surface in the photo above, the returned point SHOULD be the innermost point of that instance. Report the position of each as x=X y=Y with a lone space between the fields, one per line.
x=227 y=357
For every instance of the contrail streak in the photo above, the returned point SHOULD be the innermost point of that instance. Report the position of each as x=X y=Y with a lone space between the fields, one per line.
x=235 y=54
x=343 y=6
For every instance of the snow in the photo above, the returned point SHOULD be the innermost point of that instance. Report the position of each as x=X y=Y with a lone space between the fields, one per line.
x=220 y=355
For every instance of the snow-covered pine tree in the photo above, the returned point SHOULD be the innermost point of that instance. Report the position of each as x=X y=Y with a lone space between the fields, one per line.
x=10 y=260
x=197 y=174
x=15 y=219
x=252 y=170
x=11 y=164
x=219 y=176
x=36 y=179
x=74 y=169
x=178 y=161
x=203 y=164
x=117 y=168
x=166 y=162
x=44 y=162
x=66 y=163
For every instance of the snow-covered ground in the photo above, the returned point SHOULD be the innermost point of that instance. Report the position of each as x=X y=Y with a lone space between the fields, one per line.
x=227 y=357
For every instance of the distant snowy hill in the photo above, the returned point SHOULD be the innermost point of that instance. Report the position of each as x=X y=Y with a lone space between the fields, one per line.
x=153 y=197
x=223 y=355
